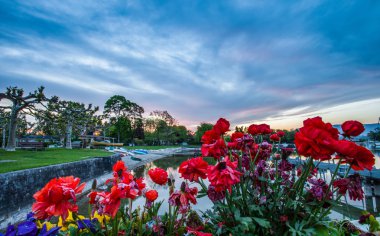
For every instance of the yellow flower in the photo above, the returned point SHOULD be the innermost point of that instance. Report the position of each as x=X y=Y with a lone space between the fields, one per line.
x=40 y=224
x=100 y=218
x=49 y=225
x=69 y=222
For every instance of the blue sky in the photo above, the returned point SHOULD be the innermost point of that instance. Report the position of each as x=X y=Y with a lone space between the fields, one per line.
x=248 y=61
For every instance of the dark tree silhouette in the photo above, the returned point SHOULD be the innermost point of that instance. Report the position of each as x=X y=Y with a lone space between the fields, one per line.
x=19 y=103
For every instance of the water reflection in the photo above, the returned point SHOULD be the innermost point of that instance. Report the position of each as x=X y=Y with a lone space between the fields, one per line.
x=171 y=164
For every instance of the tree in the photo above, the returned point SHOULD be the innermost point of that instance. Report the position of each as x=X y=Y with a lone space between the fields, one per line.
x=72 y=116
x=118 y=107
x=4 y=119
x=163 y=115
x=20 y=103
x=374 y=135
x=160 y=124
x=201 y=129
x=180 y=134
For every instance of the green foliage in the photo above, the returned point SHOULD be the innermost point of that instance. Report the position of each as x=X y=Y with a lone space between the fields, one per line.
x=125 y=117
x=201 y=129
x=161 y=129
x=374 y=135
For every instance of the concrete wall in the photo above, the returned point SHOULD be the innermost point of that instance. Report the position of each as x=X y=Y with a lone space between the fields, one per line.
x=17 y=187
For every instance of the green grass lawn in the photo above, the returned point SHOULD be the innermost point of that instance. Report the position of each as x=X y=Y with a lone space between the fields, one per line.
x=24 y=159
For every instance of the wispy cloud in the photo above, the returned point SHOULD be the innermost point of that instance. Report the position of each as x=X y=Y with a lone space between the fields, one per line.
x=245 y=60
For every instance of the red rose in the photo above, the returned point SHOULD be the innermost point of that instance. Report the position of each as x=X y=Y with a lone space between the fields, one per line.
x=259 y=129
x=352 y=128
x=213 y=145
x=209 y=137
x=252 y=129
x=158 y=175
x=193 y=169
x=223 y=175
x=236 y=135
x=221 y=126
x=358 y=157
x=151 y=195
x=316 y=139
x=274 y=137
x=280 y=133
x=119 y=169
x=264 y=129
x=216 y=150
x=236 y=141
x=57 y=198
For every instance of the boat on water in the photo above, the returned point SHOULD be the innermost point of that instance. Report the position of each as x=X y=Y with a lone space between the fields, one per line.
x=106 y=144
x=140 y=151
x=124 y=152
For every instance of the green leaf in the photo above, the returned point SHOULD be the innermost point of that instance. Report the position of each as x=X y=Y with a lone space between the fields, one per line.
x=200 y=195
x=322 y=230
x=262 y=222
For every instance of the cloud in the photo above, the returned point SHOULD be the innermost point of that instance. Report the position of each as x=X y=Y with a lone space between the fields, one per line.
x=243 y=60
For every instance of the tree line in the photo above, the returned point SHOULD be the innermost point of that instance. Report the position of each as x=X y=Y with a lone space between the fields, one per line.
x=121 y=119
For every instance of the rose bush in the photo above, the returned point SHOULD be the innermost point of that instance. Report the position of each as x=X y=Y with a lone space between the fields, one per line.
x=256 y=187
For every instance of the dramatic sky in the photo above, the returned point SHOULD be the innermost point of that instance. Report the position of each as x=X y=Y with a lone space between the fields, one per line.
x=245 y=60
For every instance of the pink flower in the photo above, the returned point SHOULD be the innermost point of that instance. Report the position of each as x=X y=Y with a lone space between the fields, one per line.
x=214 y=195
x=183 y=197
x=319 y=189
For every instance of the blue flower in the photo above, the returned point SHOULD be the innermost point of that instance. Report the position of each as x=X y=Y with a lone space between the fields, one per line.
x=11 y=230
x=52 y=232
x=30 y=216
x=87 y=223
x=27 y=228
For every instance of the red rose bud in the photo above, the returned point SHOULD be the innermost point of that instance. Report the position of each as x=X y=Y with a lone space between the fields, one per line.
x=280 y=133
x=284 y=218
x=352 y=128
x=151 y=195
x=274 y=138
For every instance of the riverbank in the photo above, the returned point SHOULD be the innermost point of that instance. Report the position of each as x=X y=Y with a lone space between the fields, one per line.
x=20 y=214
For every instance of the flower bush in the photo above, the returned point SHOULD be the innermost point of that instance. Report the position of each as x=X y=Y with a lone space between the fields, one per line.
x=255 y=185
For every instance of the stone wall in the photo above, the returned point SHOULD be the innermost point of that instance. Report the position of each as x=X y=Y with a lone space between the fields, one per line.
x=17 y=187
